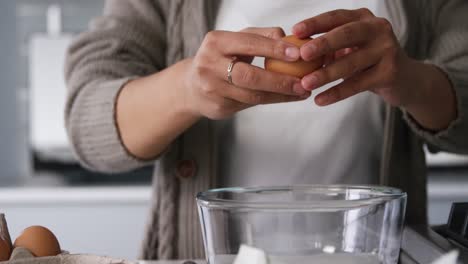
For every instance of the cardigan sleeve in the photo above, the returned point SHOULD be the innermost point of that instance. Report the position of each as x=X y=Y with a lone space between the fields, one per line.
x=127 y=42
x=448 y=50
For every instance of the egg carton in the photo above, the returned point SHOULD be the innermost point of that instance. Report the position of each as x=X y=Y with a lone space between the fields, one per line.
x=21 y=255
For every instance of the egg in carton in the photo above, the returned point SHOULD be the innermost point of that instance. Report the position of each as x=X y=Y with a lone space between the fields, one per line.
x=24 y=256
x=21 y=255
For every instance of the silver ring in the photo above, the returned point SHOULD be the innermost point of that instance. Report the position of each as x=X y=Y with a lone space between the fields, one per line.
x=229 y=69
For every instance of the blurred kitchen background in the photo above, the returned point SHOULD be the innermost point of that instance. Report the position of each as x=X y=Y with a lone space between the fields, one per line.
x=40 y=181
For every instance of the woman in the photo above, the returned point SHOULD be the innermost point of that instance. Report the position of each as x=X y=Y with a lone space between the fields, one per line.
x=149 y=78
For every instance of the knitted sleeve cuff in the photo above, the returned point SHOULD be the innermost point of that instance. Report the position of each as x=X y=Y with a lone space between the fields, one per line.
x=93 y=130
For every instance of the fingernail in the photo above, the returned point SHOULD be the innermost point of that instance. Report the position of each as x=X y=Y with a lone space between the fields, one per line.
x=292 y=53
x=310 y=82
x=309 y=51
x=298 y=89
x=322 y=99
x=299 y=28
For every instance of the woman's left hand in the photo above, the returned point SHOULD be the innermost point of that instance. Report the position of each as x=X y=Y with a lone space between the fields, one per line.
x=365 y=53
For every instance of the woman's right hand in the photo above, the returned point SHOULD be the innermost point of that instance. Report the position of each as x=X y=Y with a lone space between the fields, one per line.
x=209 y=94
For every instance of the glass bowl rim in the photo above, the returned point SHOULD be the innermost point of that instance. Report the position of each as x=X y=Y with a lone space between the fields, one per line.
x=383 y=194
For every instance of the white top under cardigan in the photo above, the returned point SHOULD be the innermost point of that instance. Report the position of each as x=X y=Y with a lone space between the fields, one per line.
x=299 y=143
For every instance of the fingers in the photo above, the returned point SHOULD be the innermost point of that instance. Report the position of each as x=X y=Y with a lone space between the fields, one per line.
x=248 y=44
x=255 y=78
x=355 y=45
x=219 y=108
x=349 y=35
x=341 y=68
x=269 y=32
x=343 y=52
x=328 y=21
x=329 y=58
x=254 y=97
x=362 y=82
x=228 y=100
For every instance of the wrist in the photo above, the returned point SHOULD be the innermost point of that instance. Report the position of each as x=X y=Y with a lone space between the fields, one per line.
x=182 y=99
x=432 y=101
x=416 y=85
x=150 y=114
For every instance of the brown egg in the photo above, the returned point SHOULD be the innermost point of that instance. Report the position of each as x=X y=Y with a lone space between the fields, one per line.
x=39 y=240
x=298 y=68
x=5 y=250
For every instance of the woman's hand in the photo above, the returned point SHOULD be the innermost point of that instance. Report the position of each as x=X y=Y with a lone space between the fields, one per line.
x=364 y=51
x=154 y=110
x=207 y=90
x=370 y=56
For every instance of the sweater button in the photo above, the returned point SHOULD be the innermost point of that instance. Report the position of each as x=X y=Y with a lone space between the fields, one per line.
x=186 y=169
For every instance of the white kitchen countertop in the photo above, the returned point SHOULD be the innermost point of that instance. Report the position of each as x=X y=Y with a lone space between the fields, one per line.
x=73 y=195
x=437 y=188
x=442 y=191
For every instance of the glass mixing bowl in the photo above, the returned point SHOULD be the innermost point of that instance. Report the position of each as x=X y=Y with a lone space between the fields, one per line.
x=304 y=224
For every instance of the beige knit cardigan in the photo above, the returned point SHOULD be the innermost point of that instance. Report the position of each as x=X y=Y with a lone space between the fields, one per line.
x=135 y=38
